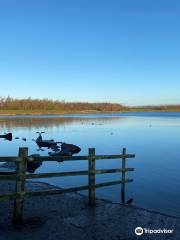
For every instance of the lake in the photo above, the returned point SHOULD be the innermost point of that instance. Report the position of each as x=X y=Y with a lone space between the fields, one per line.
x=153 y=137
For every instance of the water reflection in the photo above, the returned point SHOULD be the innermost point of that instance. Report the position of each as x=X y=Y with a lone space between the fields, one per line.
x=43 y=123
x=30 y=125
x=154 y=138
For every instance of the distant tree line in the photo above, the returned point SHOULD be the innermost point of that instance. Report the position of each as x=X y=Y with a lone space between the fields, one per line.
x=45 y=105
x=30 y=104
x=165 y=108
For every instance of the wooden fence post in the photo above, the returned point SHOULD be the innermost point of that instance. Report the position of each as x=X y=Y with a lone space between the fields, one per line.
x=123 y=177
x=20 y=186
x=92 y=176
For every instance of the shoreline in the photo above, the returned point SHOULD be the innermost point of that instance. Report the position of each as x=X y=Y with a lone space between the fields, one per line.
x=81 y=112
x=68 y=216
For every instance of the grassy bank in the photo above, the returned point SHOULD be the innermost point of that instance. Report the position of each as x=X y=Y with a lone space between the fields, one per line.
x=42 y=112
x=21 y=112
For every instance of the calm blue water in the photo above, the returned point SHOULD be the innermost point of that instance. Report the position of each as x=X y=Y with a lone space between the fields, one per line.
x=153 y=137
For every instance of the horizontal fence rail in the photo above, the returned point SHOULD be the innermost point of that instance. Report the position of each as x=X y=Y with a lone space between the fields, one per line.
x=14 y=176
x=20 y=177
x=65 y=158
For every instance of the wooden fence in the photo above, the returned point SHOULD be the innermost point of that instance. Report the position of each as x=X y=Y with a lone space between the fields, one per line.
x=20 y=177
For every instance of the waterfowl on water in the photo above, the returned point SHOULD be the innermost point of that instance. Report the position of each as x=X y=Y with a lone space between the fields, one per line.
x=130 y=201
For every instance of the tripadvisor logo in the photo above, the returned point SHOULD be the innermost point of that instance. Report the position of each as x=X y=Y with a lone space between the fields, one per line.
x=140 y=231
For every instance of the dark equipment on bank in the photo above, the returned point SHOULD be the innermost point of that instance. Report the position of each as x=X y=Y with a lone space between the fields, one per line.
x=7 y=136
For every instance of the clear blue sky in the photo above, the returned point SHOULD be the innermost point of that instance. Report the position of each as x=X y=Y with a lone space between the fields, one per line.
x=125 y=51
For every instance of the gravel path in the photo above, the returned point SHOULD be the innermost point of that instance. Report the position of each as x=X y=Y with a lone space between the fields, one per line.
x=68 y=217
